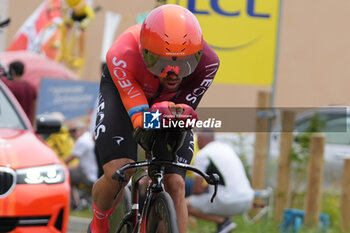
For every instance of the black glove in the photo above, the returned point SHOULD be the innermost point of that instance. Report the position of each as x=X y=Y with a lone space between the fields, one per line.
x=144 y=137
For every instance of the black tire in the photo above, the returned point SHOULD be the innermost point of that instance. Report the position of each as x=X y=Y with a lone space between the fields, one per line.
x=161 y=217
x=123 y=207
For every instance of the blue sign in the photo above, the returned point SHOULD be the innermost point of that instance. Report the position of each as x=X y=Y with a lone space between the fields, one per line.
x=151 y=120
x=214 y=4
x=70 y=98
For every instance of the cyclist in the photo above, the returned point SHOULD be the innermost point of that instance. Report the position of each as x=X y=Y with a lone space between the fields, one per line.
x=81 y=12
x=162 y=62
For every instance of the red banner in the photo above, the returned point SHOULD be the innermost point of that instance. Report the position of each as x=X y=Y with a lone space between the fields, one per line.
x=40 y=33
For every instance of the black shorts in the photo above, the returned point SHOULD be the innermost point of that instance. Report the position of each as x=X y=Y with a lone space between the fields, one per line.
x=114 y=129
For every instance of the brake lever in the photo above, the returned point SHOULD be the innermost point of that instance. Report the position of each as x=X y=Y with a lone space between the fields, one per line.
x=214 y=180
x=121 y=177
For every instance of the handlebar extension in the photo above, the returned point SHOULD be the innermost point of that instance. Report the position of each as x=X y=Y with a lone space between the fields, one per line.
x=120 y=176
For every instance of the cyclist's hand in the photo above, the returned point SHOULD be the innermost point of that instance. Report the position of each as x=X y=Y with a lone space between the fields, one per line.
x=170 y=110
x=184 y=112
x=144 y=137
x=166 y=108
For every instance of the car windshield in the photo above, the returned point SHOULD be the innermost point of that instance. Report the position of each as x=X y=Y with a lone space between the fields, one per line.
x=9 y=117
x=339 y=131
x=336 y=127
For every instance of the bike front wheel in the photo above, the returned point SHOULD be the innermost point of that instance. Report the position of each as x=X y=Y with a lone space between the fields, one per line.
x=161 y=217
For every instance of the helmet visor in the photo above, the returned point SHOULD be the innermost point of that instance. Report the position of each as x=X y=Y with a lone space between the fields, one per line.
x=160 y=65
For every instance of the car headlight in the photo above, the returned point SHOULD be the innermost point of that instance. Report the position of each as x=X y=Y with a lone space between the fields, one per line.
x=51 y=174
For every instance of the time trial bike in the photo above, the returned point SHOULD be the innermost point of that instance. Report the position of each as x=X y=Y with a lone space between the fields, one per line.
x=158 y=213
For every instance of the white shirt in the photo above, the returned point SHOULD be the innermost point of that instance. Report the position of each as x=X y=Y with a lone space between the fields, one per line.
x=222 y=157
x=93 y=118
x=84 y=150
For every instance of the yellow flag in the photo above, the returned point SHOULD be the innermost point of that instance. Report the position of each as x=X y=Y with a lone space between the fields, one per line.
x=244 y=35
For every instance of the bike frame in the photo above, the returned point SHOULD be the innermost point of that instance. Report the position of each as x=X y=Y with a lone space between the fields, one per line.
x=156 y=172
x=134 y=218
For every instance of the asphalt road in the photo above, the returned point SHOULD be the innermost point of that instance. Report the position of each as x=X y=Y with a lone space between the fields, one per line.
x=78 y=225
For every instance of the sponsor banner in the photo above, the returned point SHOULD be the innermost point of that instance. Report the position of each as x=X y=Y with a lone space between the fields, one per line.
x=323 y=120
x=244 y=35
x=70 y=98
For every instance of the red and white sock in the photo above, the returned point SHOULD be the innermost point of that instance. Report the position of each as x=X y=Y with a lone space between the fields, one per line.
x=100 y=222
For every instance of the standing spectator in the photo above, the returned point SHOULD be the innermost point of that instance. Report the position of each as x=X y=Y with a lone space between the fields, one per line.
x=61 y=142
x=92 y=132
x=86 y=171
x=234 y=195
x=24 y=92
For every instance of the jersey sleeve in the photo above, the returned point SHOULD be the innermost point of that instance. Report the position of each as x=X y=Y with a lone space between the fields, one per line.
x=195 y=85
x=120 y=62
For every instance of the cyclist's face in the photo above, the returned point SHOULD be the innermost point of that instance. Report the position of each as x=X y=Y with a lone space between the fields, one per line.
x=171 y=82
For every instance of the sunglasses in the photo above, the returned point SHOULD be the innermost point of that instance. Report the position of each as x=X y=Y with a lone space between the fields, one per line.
x=160 y=65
